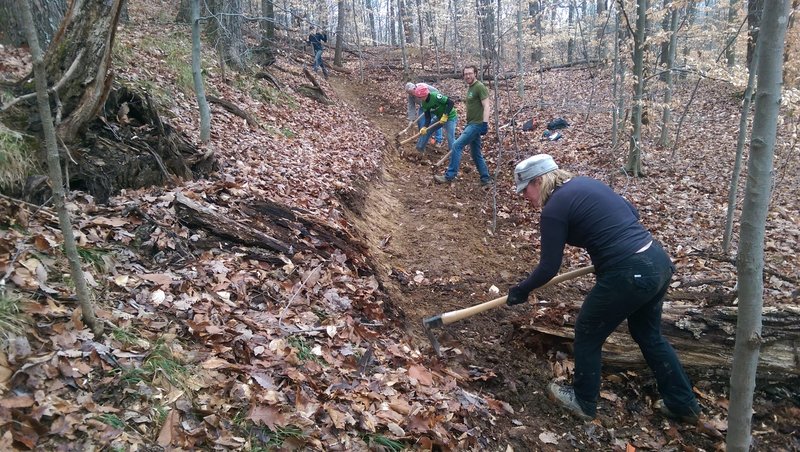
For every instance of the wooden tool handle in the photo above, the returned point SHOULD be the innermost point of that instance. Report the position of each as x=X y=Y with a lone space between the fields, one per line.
x=407 y=140
x=446 y=156
x=455 y=316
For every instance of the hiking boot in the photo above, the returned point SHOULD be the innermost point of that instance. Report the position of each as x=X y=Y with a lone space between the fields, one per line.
x=485 y=182
x=565 y=396
x=441 y=179
x=691 y=418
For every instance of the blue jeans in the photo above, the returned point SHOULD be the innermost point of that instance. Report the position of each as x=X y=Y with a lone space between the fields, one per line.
x=449 y=127
x=472 y=136
x=318 y=62
x=421 y=124
x=632 y=289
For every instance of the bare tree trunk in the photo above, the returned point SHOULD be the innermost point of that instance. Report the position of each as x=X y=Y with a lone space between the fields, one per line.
x=671 y=50
x=371 y=16
x=571 y=27
x=619 y=83
x=47 y=16
x=737 y=163
x=754 y=9
x=391 y=19
x=520 y=45
x=197 y=75
x=750 y=258
x=342 y=10
x=535 y=11
x=402 y=32
x=421 y=37
x=634 y=164
x=85 y=39
x=226 y=31
x=54 y=170
x=733 y=15
x=458 y=48
x=184 y=15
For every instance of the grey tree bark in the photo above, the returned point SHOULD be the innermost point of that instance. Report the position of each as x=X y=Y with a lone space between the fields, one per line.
x=750 y=258
x=535 y=10
x=47 y=16
x=520 y=51
x=571 y=25
x=619 y=83
x=733 y=14
x=226 y=32
x=342 y=10
x=737 y=163
x=666 y=117
x=197 y=76
x=634 y=164
x=371 y=16
x=184 y=15
x=421 y=37
x=754 y=9
x=402 y=36
x=54 y=172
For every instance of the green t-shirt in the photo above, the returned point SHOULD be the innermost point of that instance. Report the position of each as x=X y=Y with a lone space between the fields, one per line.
x=475 y=94
x=436 y=102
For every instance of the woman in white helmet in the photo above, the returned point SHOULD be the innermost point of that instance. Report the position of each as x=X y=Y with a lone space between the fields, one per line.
x=633 y=273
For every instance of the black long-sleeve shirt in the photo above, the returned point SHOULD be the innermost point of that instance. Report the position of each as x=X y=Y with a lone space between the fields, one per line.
x=586 y=213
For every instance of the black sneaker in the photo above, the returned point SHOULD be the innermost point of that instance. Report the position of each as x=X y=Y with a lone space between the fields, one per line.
x=686 y=418
x=565 y=396
x=485 y=182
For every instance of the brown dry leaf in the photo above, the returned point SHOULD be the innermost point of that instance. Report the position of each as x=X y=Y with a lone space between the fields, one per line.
x=167 y=434
x=215 y=362
x=24 y=401
x=420 y=374
x=162 y=279
x=268 y=415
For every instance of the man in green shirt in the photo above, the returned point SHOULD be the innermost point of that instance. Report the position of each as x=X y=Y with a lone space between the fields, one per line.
x=478 y=110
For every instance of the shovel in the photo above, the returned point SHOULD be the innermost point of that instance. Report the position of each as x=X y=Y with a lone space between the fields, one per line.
x=454 y=316
x=397 y=135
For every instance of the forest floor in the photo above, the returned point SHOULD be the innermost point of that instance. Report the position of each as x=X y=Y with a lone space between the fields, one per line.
x=443 y=235
x=219 y=344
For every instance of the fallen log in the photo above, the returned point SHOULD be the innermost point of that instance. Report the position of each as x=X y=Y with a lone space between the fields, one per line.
x=229 y=106
x=220 y=224
x=704 y=339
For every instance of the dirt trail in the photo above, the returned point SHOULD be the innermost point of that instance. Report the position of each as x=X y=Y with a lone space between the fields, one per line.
x=415 y=227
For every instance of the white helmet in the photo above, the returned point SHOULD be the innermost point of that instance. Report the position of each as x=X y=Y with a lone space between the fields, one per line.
x=531 y=168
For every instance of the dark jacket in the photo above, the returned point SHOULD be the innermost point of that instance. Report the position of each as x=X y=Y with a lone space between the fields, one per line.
x=316 y=40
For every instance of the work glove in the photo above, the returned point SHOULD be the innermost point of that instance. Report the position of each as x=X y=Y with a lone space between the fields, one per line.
x=443 y=119
x=423 y=131
x=484 y=128
x=516 y=296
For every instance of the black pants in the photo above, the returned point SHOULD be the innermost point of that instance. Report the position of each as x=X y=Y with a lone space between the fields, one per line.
x=633 y=289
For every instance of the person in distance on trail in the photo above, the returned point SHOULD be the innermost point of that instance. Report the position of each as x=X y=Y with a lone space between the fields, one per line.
x=415 y=109
x=436 y=104
x=315 y=39
x=477 y=125
x=633 y=273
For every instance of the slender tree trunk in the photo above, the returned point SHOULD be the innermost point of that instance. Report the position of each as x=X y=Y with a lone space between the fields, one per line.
x=197 y=75
x=754 y=8
x=342 y=10
x=402 y=32
x=535 y=11
x=391 y=19
x=459 y=49
x=54 y=171
x=371 y=16
x=737 y=163
x=226 y=32
x=571 y=26
x=619 y=83
x=666 y=117
x=184 y=15
x=520 y=52
x=634 y=164
x=733 y=15
x=421 y=37
x=358 y=44
x=750 y=258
